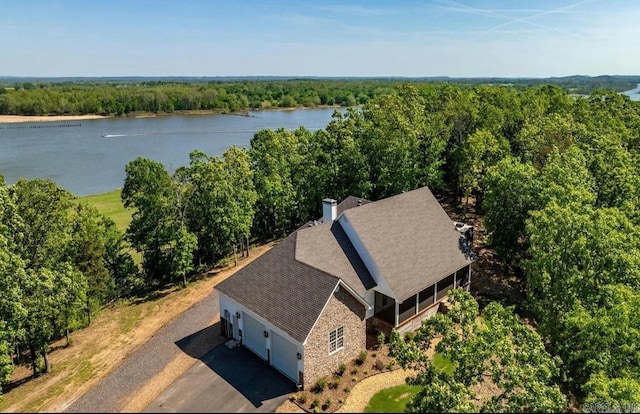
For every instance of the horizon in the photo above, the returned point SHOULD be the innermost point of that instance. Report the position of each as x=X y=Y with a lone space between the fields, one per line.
x=276 y=38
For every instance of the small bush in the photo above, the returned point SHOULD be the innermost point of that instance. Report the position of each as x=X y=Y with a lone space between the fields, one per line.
x=362 y=356
x=321 y=384
x=347 y=390
x=354 y=371
x=327 y=404
x=334 y=384
x=340 y=401
x=315 y=403
x=391 y=364
x=409 y=336
x=365 y=372
x=302 y=398
x=381 y=338
x=316 y=409
x=354 y=379
x=341 y=369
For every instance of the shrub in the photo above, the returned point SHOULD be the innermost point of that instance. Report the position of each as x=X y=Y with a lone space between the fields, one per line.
x=365 y=372
x=341 y=369
x=381 y=338
x=391 y=364
x=327 y=404
x=354 y=379
x=347 y=390
x=321 y=384
x=302 y=398
x=354 y=371
x=409 y=336
x=334 y=384
x=362 y=356
x=315 y=403
x=340 y=401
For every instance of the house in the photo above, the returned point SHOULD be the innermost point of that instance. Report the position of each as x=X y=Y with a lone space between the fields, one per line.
x=307 y=305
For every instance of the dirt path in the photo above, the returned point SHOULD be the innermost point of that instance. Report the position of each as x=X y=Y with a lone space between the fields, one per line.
x=123 y=356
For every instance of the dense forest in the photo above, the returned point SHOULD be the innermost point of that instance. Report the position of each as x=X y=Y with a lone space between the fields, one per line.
x=122 y=96
x=556 y=176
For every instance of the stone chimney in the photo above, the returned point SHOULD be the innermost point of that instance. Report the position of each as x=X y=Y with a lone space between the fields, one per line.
x=329 y=210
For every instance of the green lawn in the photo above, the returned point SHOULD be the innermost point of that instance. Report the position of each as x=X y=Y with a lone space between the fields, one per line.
x=111 y=206
x=443 y=364
x=392 y=400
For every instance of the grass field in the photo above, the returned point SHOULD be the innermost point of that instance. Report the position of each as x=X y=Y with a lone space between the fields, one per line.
x=111 y=206
x=392 y=400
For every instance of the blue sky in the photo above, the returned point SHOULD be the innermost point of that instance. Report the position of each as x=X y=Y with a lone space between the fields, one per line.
x=319 y=38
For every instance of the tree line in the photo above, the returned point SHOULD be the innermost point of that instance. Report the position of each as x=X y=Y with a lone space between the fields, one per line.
x=166 y=97
x=557 y=177
x=60 y=260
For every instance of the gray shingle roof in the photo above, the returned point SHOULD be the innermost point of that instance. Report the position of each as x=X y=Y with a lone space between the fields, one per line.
x=288 y=293
x=327 y=247
x=411 y=239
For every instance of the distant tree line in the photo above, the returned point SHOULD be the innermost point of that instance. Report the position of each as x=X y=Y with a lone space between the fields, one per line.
x=160 y=97
x=124 y=96
x=558 y=179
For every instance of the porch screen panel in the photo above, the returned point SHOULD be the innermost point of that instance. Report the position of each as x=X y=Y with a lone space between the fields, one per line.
x=425 y=298
x=444 y=286
x=407 y=309
x=462 y=276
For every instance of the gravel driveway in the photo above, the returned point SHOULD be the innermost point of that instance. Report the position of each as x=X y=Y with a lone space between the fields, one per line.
x=189 y=330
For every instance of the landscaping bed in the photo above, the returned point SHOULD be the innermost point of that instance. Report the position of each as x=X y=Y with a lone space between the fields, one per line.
x=330 y=392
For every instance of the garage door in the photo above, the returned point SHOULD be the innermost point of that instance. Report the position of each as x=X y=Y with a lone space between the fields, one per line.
x=253 y=334
x=284 y=356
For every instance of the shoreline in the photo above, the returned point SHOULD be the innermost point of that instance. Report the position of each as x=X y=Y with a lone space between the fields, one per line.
x=16 y=119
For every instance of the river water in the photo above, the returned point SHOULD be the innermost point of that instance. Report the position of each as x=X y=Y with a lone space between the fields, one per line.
x=89 y=156
x=634 y=94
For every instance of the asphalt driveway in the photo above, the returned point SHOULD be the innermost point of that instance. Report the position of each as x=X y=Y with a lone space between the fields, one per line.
x=225 y=380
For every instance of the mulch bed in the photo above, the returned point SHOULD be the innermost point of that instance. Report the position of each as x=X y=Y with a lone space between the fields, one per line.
x=330 y=392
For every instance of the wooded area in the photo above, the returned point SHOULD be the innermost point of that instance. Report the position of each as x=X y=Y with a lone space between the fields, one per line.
x=122 y=96
x=557 y=177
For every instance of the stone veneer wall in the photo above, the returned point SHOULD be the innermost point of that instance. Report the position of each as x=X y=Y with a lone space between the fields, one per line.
x=342 y=310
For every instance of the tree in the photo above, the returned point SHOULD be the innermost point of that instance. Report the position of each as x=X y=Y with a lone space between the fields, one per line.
x=119 y=263
x=511 y=192
x=149 y=189
x=274 y=157
x=43 y=208
x=87 y=251
x=606 y=394
x=493 y=348
x=480 y=151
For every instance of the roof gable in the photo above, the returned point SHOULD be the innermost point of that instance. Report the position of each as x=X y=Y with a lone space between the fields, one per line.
x=289 y=294
x=411 y=240
x=327 y=247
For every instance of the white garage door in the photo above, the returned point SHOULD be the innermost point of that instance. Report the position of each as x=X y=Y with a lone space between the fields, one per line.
x=253 y=334
x=284 y=356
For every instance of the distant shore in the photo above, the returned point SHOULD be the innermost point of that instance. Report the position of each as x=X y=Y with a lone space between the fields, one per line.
x=14 y=119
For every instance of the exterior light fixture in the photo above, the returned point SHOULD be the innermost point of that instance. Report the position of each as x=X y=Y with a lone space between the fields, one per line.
x=266 y=334
x=238 y=315
x=299 y=355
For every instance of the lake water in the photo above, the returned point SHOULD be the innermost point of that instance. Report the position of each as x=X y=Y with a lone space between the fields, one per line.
x=89 y=156
x=634 y=94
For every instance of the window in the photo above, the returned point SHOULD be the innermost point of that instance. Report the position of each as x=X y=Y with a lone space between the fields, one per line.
x=336 y=340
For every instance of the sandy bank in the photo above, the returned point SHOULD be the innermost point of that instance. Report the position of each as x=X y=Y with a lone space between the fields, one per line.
x=13 y=119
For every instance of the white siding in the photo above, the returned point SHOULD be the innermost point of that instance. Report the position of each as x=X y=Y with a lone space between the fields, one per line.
x=232 y=306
